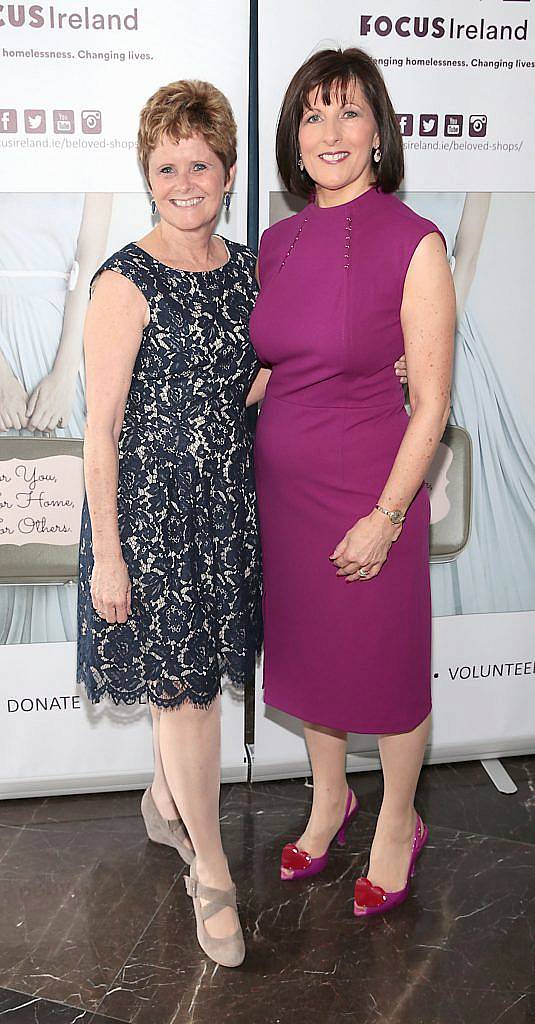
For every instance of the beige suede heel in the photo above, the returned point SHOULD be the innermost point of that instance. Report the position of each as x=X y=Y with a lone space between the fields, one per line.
x=168 y=833
x=230 y=951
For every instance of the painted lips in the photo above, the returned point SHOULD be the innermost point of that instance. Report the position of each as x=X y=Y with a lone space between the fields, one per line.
x=334 y=158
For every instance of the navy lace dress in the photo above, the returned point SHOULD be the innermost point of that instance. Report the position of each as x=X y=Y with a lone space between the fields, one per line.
x=186 y=497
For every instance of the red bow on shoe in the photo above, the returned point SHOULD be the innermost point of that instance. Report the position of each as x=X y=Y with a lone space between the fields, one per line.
x=368 y=895
x=294 y=859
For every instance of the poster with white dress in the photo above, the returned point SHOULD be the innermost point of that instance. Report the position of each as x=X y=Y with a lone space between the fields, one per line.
x=75 y=81
x=496 y=570
x=459 y=79
x=44 y=277
x=49 y=247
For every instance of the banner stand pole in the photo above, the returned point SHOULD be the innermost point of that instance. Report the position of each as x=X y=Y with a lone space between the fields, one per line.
x=499 y=776
x=252 y=153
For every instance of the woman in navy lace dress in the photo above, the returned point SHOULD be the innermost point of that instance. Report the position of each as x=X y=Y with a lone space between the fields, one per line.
x=169 y=594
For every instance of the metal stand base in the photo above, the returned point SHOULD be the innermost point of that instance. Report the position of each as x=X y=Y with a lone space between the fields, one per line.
x=500 y=777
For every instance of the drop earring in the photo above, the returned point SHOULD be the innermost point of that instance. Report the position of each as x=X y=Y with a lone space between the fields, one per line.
x=153 y=207
x=227 y=200
x=300 y=163
x=377 y=155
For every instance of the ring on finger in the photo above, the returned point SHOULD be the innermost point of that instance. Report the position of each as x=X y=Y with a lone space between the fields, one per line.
x=363 y=574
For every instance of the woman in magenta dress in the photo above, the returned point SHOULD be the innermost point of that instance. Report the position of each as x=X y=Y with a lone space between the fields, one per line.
x=345 y=285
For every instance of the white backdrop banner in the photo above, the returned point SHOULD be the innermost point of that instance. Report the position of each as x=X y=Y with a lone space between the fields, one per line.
x=461 y=75
x=55 y=741
x=75 y=77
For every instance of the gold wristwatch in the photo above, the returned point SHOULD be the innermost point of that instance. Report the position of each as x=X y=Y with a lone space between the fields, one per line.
x=396 y=517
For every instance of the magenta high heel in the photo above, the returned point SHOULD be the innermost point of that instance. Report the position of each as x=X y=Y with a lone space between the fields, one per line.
x=301 y=863
x=372 y=899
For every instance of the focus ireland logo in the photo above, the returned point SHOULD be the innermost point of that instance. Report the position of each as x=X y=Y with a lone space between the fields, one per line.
x=423 y=27
x=52 y=17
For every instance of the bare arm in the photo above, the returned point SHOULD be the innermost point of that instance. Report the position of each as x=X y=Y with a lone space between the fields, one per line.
x=52 y=399
x=468 y=244
x=258 y=387
x=115 y=319
x=428 y=323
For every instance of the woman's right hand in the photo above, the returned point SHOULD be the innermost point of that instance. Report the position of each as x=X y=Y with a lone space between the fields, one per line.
x=13 y=399
x=111 y=589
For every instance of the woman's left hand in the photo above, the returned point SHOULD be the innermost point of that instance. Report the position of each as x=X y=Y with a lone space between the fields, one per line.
x=365 y=546
x=50 y=404
x=400 y=369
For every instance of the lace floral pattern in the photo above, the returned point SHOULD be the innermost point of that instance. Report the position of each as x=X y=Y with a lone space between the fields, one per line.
x=186 y=498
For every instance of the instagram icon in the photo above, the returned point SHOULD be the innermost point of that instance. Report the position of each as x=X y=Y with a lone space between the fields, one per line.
x=91 y=122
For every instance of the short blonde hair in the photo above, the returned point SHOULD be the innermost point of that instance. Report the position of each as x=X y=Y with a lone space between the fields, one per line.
x=182 y=109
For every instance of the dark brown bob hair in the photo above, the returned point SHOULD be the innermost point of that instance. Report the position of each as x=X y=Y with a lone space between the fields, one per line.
x=335 y=72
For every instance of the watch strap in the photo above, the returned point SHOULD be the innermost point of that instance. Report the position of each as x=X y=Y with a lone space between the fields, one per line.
x=395 y=515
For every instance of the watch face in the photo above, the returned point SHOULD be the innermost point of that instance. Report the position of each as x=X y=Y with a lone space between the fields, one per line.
x=396 y=517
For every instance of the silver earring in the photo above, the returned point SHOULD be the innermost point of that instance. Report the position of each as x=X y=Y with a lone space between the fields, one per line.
x=377 y=155
x=153 y=207
x=300 y=163
x=226 y=200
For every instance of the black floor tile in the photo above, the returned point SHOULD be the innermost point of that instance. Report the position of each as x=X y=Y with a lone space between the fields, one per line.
x=75 y=897
x=21 y=1009
x=83 y=807
x=322 y=1003
x=95 y=917
x=459 y=950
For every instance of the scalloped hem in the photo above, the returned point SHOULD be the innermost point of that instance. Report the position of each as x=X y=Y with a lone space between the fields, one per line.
x=95 y=694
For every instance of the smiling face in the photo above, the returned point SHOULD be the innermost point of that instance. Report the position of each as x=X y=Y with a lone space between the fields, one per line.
x=188 y=181
x=336 y=142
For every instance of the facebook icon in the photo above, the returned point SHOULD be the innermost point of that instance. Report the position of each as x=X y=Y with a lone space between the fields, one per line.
x=406 y=123
x=8 y=120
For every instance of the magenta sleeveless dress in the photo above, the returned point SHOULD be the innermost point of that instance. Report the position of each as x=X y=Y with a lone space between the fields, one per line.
x=356 y=656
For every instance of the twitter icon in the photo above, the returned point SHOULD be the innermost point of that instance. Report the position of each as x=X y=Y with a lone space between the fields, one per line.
x=34 y=122
x=428 y=124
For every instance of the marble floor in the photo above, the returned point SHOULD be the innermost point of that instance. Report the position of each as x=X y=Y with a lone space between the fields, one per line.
x=96 y=927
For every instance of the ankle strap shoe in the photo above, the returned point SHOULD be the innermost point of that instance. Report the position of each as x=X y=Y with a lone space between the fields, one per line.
x=229 y=951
